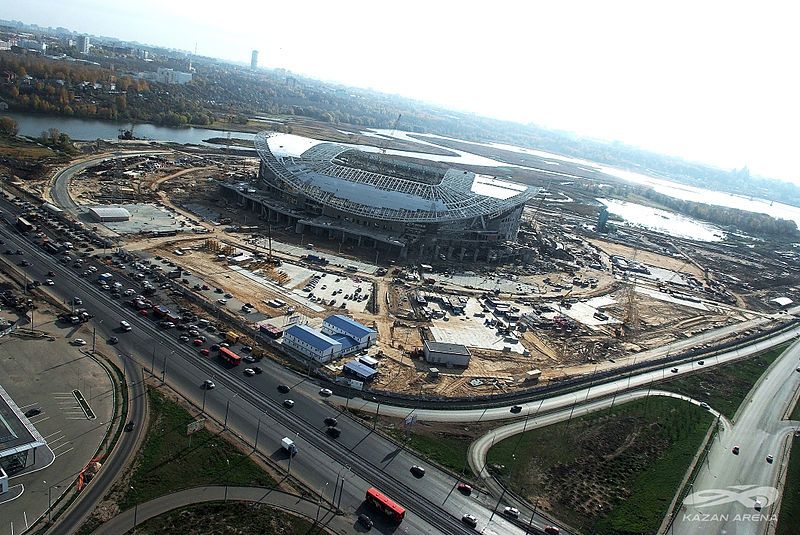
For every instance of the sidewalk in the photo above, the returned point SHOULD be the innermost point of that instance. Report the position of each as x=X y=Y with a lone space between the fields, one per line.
x=309 y=509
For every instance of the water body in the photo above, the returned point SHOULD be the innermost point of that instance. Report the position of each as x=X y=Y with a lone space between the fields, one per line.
x=663 y=221
x=87 y=129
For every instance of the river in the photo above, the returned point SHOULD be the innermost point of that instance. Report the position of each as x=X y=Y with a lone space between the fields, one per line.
x=87 y=129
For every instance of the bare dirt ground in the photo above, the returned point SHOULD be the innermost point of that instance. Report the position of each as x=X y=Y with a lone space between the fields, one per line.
x=647 y=257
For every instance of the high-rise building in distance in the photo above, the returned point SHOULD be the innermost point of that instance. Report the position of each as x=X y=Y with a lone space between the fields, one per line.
x=83 y=44
x=254 y=60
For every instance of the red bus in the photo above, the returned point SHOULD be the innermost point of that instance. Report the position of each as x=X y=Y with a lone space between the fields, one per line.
x=229 y=356
x=385 y=505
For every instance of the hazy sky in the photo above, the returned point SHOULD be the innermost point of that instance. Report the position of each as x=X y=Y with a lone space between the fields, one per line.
x=716 y=82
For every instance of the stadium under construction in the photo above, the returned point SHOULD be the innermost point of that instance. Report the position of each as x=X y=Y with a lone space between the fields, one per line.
x=407 y=206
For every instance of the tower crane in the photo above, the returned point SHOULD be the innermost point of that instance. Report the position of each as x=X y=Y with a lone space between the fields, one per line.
x=392 y=131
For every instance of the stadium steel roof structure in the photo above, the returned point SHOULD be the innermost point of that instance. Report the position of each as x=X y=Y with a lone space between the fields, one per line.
x=307 y=166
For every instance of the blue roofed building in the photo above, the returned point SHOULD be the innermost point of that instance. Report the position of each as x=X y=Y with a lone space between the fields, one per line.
x=360 y=370
x=312 y=343
x=349 y=345
x=343 y=325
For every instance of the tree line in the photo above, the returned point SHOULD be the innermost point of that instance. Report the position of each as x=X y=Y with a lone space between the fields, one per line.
x=753 y=223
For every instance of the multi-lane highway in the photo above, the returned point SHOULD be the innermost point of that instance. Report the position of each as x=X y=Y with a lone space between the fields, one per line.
x=357 y=460
x=735 y=493
x=346 y=467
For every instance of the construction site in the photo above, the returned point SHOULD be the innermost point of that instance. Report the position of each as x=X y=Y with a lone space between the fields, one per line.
x=559 y=300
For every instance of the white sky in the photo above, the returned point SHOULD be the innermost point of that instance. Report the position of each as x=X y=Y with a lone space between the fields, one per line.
x=716 y=82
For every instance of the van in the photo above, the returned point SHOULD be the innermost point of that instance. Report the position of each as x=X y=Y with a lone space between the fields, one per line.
x=125 y=326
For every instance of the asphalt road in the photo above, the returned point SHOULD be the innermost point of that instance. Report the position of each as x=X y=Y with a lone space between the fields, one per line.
x=60 y=189
x=608 y=388
x=724 y=494
x=479 y=449
x=360 y=457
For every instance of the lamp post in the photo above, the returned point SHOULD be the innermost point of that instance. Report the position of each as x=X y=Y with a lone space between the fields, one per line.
x=164 y=371
x=205 y=391
x=135 y=511
x=94 y=335
x=227 y=407
x=50 y=500
x=319 y=499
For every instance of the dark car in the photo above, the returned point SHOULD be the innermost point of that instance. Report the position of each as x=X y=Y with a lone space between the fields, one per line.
x=516 y=409
x=418 y=471
x=113 y=340
x=331 y=421
x=365 y=521
x=129 y=426
x=30 y=413
x=465 y=489
x=283 y=389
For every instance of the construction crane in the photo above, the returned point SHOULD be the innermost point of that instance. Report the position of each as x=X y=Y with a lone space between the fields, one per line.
x=391 y=132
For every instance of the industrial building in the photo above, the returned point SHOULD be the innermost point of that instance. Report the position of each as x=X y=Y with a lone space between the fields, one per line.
x=311 y=343
x=19 y=439
x=405 y=206
x=109 y=213
x=447 y=354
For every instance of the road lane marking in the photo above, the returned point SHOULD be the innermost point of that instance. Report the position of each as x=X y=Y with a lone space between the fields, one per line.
x=63 y=452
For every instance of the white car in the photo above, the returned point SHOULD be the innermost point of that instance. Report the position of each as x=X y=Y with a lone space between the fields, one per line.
x=129 y=291
x=325 y=392
x=222 y=301
x=288 y=403
x=79 y=342
x=249 y=372
x=208 y=384
x=469 y=520
x=513 y=512
x=49 y=282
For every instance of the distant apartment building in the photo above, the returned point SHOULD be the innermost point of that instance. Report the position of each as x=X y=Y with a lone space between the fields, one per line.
x=5 y=45
x=166 y=76
x=31 y=44
x=84 y=44
x=254 y=60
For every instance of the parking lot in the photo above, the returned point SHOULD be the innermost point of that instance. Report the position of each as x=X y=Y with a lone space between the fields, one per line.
x=43 y=378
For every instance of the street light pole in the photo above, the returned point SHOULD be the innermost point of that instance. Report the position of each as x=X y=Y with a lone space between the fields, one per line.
x=227 y=407
x=258 y=430
x=135 y=511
